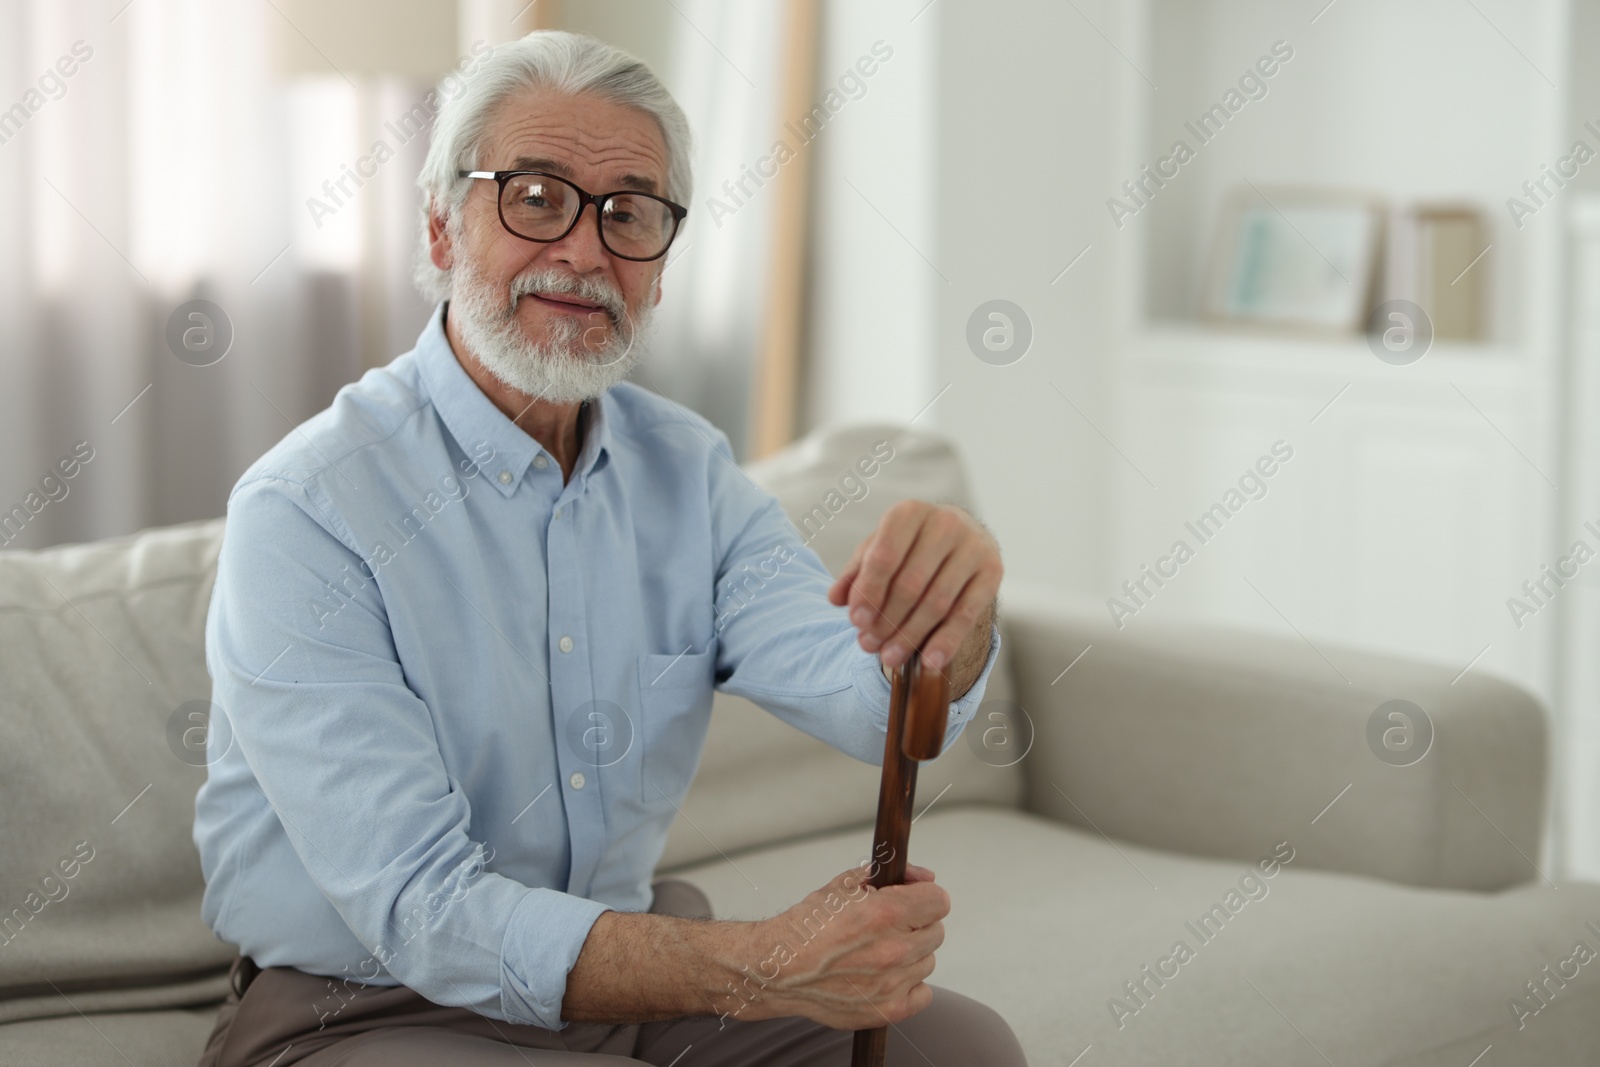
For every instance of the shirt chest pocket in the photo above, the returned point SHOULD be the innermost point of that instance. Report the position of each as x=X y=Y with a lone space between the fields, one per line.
x=675 y=693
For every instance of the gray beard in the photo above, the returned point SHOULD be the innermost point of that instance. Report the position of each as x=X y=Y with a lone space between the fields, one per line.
x=559 y=368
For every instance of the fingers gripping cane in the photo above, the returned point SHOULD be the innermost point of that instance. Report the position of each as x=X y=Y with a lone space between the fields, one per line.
x=919 y=713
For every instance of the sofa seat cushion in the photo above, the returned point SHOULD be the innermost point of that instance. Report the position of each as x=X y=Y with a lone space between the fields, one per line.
x=172 y=1038
x=1048 y=923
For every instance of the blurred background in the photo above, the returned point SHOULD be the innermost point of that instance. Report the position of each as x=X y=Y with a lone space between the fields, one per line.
x=1124 y=252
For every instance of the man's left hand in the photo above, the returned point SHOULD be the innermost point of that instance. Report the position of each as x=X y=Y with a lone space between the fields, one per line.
x=923 y=579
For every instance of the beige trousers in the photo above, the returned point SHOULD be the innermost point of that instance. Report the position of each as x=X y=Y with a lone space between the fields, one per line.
x=268 y=1021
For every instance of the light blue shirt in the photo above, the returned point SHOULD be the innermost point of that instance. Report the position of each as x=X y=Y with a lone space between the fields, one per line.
x=461 y=700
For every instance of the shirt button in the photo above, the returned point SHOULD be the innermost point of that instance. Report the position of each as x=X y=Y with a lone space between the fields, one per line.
x=576 y=779
x=558 y=513
x=566 y=644
x=505 y=477
x=540 y=462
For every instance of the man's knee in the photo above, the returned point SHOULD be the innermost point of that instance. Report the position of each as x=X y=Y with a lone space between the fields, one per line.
x=965 y=1030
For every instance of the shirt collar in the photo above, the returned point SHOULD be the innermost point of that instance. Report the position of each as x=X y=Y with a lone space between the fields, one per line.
x=474 y=420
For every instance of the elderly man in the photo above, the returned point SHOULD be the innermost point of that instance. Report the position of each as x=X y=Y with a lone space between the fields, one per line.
x=438 y=599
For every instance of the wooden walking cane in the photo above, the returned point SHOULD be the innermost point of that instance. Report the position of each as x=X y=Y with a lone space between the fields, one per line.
x=919 y=714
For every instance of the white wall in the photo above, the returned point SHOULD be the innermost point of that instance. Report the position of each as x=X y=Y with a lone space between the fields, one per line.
x=1411 y=518
x=1024 y=135
x=1414 y=513
x=874 y=278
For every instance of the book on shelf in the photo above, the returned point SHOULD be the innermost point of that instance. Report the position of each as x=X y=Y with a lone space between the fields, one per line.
x=1435 y=259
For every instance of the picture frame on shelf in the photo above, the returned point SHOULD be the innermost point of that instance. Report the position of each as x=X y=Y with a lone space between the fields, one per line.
x=1295 y=259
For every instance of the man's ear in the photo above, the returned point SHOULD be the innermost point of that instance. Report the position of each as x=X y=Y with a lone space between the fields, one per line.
x=655 y=300
x=440 y=251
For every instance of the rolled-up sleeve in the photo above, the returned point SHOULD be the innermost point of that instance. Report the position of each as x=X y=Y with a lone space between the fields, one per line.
x=302 y=659
x=782 y=643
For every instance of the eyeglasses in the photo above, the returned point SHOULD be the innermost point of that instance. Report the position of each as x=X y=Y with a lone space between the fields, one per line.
x=545 y=207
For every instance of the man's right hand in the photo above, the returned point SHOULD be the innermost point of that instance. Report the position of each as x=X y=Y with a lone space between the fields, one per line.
x=848 y=956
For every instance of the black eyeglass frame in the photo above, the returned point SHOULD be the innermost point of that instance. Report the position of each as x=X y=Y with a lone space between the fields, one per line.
x=585 y=198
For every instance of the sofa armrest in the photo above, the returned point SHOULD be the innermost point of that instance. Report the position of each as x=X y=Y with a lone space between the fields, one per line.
x=1222 y=742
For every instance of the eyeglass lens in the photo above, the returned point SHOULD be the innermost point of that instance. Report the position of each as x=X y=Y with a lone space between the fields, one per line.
x=542 y=208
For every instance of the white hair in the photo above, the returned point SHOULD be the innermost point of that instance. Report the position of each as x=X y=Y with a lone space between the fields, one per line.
x=569 y=63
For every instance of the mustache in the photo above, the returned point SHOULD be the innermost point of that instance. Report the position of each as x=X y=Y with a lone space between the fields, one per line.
x=549 y=280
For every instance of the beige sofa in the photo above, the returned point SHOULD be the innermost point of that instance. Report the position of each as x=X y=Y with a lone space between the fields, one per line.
x=1119 y=794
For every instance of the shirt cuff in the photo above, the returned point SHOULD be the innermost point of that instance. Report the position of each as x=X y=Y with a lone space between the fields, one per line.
x=874 y=690
x=542 y=942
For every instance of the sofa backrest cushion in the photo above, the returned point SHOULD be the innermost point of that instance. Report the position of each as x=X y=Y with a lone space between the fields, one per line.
x=101 y=652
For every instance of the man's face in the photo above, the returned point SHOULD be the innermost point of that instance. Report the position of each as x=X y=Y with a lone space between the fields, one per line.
x=559 y=319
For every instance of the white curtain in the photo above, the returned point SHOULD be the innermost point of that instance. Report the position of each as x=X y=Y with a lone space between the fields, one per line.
x=180 y=160
x=150 y=155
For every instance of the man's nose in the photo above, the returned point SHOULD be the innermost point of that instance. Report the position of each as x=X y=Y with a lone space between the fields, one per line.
x=581 y=248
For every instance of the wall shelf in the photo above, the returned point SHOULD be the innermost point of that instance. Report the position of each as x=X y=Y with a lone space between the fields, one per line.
x=1192 y=349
